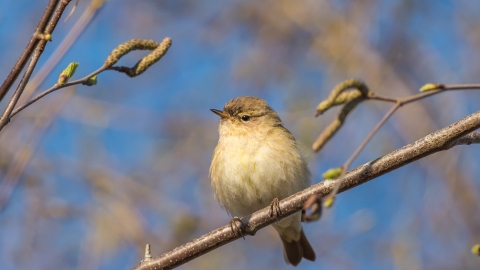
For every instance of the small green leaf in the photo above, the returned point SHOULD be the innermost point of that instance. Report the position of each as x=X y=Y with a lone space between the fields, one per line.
x=476 y=249
x=67 y=73
x=91 y=81
x=432 y=86
x=332 y=173
x=329 y=202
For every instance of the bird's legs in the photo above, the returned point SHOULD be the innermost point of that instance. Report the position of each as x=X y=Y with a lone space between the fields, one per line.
x=275 y=208
x=235 y=228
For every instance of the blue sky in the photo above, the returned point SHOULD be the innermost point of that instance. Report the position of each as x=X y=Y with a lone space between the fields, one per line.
x=124 y=138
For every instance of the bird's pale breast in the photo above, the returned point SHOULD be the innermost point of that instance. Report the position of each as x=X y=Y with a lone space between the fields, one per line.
x=249 y=172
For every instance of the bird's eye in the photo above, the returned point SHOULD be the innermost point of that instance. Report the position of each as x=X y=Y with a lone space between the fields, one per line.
x=246 y=118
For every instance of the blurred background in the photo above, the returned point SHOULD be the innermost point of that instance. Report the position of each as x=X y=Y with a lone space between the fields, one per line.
x=89 y=175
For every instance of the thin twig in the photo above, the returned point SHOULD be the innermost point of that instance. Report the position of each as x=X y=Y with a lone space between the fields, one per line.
x=158 y=51
x=5 y=118
x=398 y=103
x=62 y=48
x=432 y=143
x=55 y=88
x=419 y=96
x=361 y=147
x=22 y=60
x=72 y=11
x=19 y=164
x=472 y=138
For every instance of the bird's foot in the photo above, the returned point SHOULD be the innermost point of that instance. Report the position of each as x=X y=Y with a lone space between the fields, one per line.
x=314 y=205
x=275 y=208
x=236 y=229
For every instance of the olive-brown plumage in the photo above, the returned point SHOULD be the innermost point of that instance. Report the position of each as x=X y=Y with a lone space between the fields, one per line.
x=257 y=160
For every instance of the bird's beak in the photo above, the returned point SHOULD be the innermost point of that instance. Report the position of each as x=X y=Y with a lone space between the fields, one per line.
x=221 y=114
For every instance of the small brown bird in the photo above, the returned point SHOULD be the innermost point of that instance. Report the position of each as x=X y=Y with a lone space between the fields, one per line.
x=256 y=161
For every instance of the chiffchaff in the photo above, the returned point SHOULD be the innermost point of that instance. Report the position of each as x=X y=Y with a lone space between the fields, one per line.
x=257 y=161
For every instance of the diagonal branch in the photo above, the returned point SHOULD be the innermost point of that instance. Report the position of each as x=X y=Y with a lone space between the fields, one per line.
x=5 y=118
x=80 y=25
x=158 y=51
x=438 y=141
x=339 y=96
x=56 y=87
x=22 y=60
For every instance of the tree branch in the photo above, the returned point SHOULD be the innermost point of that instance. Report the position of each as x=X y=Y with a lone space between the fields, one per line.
x=56 y=87
x=5 y=118
x=338 y=96
x=63 y=47
x=158 y=51
x=438 y=141
x=12 y=76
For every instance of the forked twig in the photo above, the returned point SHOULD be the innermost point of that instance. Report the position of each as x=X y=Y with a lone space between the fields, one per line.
x=158 y=50
x=44 y=37
x=34 y=40
x=315 y=204
x=72 y=35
